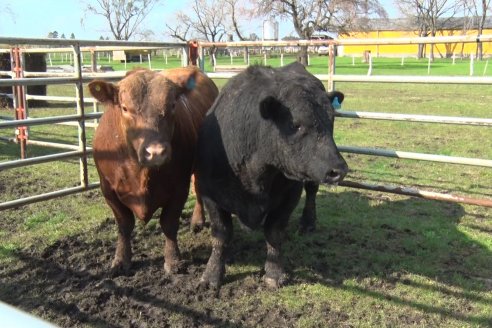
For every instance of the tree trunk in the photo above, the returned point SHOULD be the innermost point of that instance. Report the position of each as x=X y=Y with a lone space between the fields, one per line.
x=421 y=51
x=302 y=56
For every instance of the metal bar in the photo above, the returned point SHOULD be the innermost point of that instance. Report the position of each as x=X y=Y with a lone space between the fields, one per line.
x=49 y=120
x=89 y=43
x=417 y=156
x=409 y=79
x=39 y=159
x=60 y=80
x=383 y=78
x=36 y=81
x=408 y=191
x=416 y=118
x=79 y=88
x=58 y=98
x=55 y=145
x=348 y=42
x=46 y=196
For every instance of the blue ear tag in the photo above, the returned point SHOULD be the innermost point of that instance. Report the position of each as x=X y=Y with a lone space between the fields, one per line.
x=191 y=84
x=336 y=104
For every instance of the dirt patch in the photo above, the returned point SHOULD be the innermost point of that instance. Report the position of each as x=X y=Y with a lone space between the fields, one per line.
x=68 y=283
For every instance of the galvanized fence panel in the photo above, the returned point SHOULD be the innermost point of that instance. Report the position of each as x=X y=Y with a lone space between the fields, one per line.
x=331 y=77
x=82 y=151
x=78 y=78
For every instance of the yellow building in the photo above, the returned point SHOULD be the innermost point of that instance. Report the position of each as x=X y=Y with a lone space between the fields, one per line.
x=395 y=28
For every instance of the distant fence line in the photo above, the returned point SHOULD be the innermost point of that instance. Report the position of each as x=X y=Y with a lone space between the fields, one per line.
x=79 y=78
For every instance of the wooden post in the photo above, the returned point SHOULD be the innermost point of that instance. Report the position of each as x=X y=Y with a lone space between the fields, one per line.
x=471 y=64
x=93 y=61
x=331 y=67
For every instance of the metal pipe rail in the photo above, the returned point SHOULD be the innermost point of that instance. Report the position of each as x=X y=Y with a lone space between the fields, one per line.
x=416 y=156
x=46 y=196
x=384 y=78
x=407 y=79
x=48 y=120
x=40 y=159
x=87 y=100
x=418 y=193
x=416 y=118
x=59 y=80
x=348 y=42
x=105 y=44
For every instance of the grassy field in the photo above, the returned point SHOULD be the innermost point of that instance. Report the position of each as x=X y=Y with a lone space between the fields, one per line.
x=318 y=64
x=375 y=260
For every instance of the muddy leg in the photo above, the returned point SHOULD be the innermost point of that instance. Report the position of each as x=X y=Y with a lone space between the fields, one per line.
x=221 y=236
x=307 y=222
x=169 y=221
x=274 y=230
x=126 y=222
x=198 y=218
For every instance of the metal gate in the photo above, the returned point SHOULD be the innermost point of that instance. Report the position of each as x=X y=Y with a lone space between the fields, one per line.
x=21 y=79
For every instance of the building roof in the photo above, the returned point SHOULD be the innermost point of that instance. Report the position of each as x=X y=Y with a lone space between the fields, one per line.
x=410 y=24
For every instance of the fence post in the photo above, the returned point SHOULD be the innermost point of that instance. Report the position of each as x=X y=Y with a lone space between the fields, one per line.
x=471 y=64
x=19 y=98
x=79 y=90
x=93 y=61
x=331 y=67
x=369 y=71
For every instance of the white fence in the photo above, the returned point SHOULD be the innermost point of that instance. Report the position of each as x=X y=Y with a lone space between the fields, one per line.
x=82 y=151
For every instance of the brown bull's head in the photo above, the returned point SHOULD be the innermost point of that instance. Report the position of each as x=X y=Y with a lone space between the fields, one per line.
x=145 y=102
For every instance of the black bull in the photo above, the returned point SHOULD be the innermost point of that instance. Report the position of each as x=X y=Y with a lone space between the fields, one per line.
x=269 y=131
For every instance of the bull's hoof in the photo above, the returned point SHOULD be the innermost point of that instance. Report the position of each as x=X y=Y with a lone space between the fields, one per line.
x=308 y=228
x=120 y=267
x=177 y=267
x=275 y=283
x=196 y=227
x=211 y=279
x=307 y=222
x=207 y=284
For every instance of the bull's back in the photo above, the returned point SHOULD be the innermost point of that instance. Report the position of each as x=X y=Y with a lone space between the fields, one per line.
x=192 y=108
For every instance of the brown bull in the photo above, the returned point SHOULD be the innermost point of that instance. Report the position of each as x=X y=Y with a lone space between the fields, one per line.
x=144 y=151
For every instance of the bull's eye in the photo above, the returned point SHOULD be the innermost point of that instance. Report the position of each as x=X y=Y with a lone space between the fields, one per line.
x=295 y=127
x=124 y=109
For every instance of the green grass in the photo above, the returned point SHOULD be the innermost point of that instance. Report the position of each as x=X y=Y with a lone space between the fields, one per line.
x=375 y=260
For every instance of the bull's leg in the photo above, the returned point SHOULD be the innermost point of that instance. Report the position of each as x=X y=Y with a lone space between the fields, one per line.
x=307 y=222
x=274 y=229
x=198 y=218
x=126 y=222
x=221 y=237
x=169 y=221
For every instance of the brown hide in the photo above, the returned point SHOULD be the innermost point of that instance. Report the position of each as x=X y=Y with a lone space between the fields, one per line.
x=144 y=112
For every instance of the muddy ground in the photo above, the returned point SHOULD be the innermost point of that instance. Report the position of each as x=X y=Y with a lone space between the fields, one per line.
x=69 y=284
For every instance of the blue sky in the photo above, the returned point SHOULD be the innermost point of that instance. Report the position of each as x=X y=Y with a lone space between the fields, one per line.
x=35 y=19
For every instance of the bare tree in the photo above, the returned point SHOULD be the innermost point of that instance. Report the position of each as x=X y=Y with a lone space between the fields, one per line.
x=207 y=20
x=123 y=16
x=311 y=16
x=429 y=16
x=476 y=13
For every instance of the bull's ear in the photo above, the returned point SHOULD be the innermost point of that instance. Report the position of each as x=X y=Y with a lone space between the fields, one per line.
x=336 y=97
x=272 y=109
x=103 y=91
x=185 y=78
